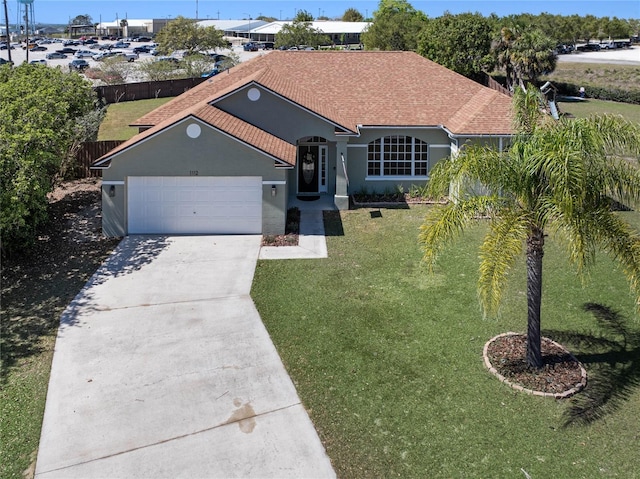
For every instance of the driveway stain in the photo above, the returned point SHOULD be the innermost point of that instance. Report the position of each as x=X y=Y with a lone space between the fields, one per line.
x=245 y=416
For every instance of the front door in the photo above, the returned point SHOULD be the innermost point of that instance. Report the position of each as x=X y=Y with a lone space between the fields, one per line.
x=312 y=168
x=308 y=171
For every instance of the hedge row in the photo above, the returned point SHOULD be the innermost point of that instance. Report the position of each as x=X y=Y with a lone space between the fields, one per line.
x=600 y=93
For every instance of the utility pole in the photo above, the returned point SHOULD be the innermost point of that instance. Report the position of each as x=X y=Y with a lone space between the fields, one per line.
x=26 y=20
x=196 y=10
x=6 y=24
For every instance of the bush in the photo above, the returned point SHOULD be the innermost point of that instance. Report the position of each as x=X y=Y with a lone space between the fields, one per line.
x=39 y=108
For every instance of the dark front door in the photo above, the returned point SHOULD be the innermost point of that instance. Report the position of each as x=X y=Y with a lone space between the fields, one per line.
x=308 y=169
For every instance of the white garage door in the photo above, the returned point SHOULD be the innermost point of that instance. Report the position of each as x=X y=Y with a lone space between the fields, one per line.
x=194 y=205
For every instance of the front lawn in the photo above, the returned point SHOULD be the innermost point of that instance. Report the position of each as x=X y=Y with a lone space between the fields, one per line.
x=387 y=359
x=589 y=107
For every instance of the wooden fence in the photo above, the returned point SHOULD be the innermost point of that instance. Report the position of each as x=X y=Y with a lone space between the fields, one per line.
x=89 y=152
x=145 y=90
x=489 y=82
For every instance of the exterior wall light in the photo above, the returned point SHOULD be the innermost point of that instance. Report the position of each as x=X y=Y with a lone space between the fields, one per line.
x=112 y=191
x=274 y=190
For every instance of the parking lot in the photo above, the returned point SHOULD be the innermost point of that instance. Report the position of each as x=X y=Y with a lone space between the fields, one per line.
x=18 y=55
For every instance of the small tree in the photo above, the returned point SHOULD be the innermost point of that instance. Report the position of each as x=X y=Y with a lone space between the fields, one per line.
x=302 y=16
x=160 y=70
x=300 y=33
x=461 y=43
x=185 y=34
x=39 y=110
x=113 y=70
x=396 y=26
x=352 y=15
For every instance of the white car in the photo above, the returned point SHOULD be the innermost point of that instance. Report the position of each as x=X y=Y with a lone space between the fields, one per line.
x=84 y=53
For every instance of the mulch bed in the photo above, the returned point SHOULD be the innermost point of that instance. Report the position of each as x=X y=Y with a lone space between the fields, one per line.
x=292 y=230
x=560 y=373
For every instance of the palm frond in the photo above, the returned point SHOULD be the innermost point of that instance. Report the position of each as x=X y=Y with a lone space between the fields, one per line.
x=499 y=250
x=445 y=223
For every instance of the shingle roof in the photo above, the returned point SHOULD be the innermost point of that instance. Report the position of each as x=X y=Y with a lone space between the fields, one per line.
x=363 y=88
x=222 y=121
x=350 y=89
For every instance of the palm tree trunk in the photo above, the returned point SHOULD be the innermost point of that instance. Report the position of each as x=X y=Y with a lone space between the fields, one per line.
x=535 y=251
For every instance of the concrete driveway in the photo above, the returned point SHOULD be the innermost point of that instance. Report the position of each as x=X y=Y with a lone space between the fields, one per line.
x=163 y=368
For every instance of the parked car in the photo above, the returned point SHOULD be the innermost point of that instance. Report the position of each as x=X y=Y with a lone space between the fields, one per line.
x=105 y=46
x=130 y=57
x=142 y=39
x=589 y=47
x=563 y=49
x=39 y=48
x=5 y=62
x=55 y=56
x=250 y=47
x=67 y=50
x=69 y=43
x=143 y=49
x=167 y=59
x=121 y=45
x=78 y=64
x=3 y=46
x=84 y=53
x=102 y=56
x=90 y=41
x=41 y=61
x=210 y=73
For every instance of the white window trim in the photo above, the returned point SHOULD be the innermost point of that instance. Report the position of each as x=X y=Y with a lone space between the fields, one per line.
x=395 y=178
x=382 y=177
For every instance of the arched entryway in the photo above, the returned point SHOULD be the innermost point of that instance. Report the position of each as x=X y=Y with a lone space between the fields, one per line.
x=313 y=157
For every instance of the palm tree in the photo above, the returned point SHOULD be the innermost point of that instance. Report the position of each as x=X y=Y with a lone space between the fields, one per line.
x=556 y=178
x=524 y=54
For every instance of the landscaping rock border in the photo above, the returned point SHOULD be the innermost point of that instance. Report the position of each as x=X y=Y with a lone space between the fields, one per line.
x=563 y=395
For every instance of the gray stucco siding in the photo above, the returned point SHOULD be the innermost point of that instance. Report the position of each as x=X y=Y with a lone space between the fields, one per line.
x=276 y=115
x=173 y=153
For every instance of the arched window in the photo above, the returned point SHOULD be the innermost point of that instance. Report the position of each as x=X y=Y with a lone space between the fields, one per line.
x=398 y=156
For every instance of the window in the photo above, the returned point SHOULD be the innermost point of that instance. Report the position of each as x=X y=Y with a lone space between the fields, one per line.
x=397 y=156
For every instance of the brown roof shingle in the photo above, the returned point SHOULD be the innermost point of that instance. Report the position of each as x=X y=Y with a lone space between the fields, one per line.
x=362 y=88
x=350 y=89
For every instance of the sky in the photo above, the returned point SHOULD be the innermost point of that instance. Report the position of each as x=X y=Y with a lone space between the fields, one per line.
x=54 y=11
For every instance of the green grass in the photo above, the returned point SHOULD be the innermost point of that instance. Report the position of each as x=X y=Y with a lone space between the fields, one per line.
x=589 y=107
x=387 y=359
x=624 y=77
x=120 y=115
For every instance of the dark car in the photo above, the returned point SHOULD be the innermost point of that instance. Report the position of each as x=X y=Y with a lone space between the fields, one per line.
x=78 y=64
x=121 y=45
x=142 y=39
x=67 y=50
x=5 y=62
x=143 y=49
x=39 y=48
x=589 y=47
x=55 y=55
x=250 y=47
x=3 y=46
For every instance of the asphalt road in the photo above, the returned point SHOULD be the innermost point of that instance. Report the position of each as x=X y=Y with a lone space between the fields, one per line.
x=623 y=56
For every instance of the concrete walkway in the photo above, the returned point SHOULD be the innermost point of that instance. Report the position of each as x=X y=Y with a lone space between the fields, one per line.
x=163 y=369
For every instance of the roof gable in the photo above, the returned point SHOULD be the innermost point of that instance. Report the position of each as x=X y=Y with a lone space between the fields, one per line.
x=361 y=88
x=283 y=153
